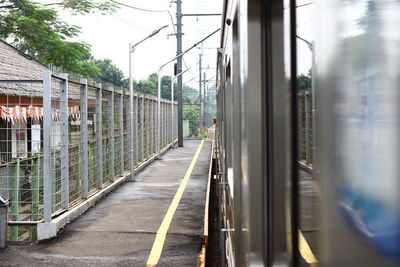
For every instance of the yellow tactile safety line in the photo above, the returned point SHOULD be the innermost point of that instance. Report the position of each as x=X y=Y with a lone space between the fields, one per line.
x=306 y=252
x=162 y=231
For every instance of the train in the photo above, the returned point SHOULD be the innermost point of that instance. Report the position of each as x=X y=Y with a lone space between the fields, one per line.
x=355 y=134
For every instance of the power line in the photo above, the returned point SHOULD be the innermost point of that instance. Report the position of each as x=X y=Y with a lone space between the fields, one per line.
x=139 y=8
x=147 y=10
x=153 y=11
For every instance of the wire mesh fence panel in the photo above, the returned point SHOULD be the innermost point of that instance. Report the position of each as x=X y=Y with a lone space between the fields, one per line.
x=106 y=128
x=75 y=142
x=162 y=125
x=310 y=127
x=126 y=132
x=305 y=126
x=165 y=124
x=152 y=126
x=149 y=128
x=21 y=154
x=61 y=141
x=117 y=136
x=155 y=142
x=142 y=127
x=145 y=127
x=93 y=164
x=175 y=121
x=170 y=126
x=57 y=191
x=301 y=126
x=138 y=130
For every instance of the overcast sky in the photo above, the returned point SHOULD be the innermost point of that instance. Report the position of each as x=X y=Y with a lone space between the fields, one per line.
x=110 y=35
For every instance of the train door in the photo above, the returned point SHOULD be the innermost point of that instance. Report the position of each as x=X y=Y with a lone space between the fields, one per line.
x=268 y=139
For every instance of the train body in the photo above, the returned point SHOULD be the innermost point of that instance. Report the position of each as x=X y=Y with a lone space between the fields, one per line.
x=355 y=133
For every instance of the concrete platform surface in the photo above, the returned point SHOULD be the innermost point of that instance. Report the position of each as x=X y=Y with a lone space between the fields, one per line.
x=120 y=230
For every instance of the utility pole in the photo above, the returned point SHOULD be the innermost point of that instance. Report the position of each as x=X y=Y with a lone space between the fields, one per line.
x=200 y=98
x=179 y=69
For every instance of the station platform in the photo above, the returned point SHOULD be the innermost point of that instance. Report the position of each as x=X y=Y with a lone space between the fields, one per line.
x=157 y=220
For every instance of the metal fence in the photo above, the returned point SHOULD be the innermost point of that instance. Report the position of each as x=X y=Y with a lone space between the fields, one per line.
x=305 y=127
x=63 y=141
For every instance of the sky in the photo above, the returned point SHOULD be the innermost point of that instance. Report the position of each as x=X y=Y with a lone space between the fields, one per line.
x=306 y=18
x=110 y=36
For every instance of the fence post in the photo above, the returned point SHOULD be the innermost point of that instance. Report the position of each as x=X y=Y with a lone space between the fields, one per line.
x=85 y=139
x=150 y=134
x=99 y=136
x=47 y=124
x=121 y=131
x=112 y=135
x=64 y=153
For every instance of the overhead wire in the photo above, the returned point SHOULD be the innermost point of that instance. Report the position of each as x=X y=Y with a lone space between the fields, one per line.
x=154 y=11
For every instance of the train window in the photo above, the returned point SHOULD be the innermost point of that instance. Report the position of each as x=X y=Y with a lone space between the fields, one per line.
x=308 y=185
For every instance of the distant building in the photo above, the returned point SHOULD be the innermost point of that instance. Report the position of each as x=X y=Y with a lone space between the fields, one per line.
x=21 y=104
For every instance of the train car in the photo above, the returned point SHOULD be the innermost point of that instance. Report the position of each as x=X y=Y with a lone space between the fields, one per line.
x=254 y=141
x=355 y=130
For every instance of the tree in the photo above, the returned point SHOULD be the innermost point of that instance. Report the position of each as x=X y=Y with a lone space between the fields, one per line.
x=150 y=86
x=109 y=72
x=37 y=30
x=166 y=87
x=192 y=114
x=304 y=81
x=191 y=94
x=146 y=86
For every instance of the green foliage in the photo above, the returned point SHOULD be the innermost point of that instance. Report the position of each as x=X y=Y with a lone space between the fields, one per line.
x=110 y=73
x=37 y=30
x=192 y=114
x=83 y=7
x=208 y=118
x=150 y=86
x=146 y=86
x=191 y=94
x=205 y=136
x=166 y=87
x=304 y=81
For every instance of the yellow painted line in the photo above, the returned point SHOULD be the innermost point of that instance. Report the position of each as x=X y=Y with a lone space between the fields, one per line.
x=162 y=231
x=306 y=252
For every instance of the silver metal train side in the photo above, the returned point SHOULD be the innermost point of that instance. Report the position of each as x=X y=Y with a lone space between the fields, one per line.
x=356 y=130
